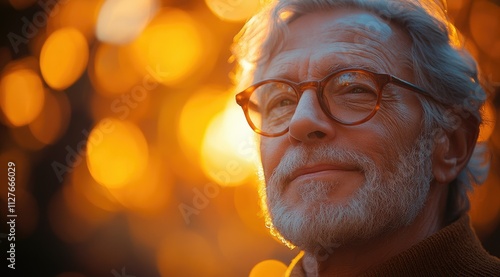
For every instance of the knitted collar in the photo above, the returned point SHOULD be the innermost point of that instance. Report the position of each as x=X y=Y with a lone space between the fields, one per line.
x=454 y=250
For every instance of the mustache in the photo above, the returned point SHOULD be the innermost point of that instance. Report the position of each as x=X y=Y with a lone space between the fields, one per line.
x=299 y=157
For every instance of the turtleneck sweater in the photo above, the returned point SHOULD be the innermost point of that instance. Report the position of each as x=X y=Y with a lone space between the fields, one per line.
x=453 y=251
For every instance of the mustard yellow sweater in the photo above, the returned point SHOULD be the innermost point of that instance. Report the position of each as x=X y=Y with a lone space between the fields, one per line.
x=453 y=251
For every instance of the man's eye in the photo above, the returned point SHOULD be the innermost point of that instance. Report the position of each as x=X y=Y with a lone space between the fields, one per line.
x=352 y=90
x=286 y=102
x=283 y=101
x=360 y=90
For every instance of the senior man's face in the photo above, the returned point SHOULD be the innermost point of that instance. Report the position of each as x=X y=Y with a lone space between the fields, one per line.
x=328 y=184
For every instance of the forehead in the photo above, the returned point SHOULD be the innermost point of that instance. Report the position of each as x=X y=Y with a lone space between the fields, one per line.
x=320 y=42
x=350 y=24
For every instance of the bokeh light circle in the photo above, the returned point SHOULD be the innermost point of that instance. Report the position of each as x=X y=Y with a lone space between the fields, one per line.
x=228 y=153
x=117 y=152
x=149 y=194
x=79 y=14
x=21 y=96
x=111 y=70
x=196 y=115
x=171 y=46
x=63 y=58
x=268 y=268
x=234 y=10
x=121 y=21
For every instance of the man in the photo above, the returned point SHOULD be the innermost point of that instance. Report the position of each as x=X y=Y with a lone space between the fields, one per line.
x=369 y=113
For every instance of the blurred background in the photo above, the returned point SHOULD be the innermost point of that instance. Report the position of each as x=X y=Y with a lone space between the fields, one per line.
x=131 y=156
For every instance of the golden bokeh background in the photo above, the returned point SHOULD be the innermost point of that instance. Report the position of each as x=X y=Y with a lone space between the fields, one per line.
x=132 y=158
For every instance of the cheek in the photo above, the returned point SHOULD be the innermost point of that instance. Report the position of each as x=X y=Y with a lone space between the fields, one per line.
x=404 y=123
x=272 y=150
x=398 y=126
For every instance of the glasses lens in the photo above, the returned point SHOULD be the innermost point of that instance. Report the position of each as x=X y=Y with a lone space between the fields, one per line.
x=271 y=107
x=351 y=96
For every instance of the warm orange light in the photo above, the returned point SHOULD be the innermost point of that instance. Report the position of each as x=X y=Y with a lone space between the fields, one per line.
x=236 y=241
x=149 y=194
x=112 y=72
x=185 y=253
x=120 y=21
x=268 y=268
x=489 y=115
x=484 y=24
x=21 y=96
x=149 y=229
x=229 y=153
x=247 y=204
x=171 y=45
x=78 y=14
x=52 y=122
x=473 y=49
x=196 y=116
x=21 y=4
x=79 y=205
x=63 y=58
x=455 y=5
x=170 y=145
x=117 y=152
x=86 y=187
x=485 y=207
x=234 y=10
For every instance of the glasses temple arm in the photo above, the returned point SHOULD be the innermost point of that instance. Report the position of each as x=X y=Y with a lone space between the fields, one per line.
x=414 y=88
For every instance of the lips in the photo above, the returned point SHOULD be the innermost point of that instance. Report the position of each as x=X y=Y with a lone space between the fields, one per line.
x=320 y=169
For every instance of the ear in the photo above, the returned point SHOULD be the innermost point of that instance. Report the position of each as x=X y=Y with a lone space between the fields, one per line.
x=452 y=152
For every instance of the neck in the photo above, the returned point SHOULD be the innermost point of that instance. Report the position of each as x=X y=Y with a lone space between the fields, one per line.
x=355 y=258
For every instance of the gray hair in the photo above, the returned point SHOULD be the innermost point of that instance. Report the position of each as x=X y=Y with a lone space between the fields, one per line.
x=441 y=65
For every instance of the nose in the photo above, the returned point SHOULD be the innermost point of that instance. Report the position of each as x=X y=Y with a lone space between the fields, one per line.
x=309 y=123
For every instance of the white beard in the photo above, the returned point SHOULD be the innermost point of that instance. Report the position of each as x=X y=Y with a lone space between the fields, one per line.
x=389 y=199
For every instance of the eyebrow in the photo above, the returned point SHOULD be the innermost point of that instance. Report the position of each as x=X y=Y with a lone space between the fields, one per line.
x=285 y=69
x=338 y=67
x=320 y=69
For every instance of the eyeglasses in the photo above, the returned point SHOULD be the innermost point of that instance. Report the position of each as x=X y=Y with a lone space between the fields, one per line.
x=349 y=97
